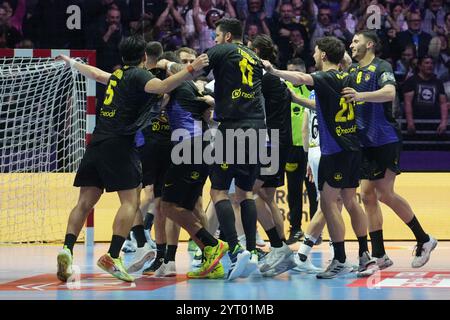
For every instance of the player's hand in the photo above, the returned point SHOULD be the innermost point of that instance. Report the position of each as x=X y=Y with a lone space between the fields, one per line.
x=441 y=128
x=267 y=65
x=64 y=58
x=162 y=64
x=351 y=95
x=309 y=174
x=411 y=128
x=208 y=100
x=284 y=32
x=201 y=62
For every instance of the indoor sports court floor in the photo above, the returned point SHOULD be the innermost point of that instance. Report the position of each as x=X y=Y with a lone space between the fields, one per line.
x=28 y=272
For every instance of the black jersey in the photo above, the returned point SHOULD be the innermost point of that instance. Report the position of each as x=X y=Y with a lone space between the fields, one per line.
x=238 y=74
x=336 y=117
x=277 y=103
x=126 y=107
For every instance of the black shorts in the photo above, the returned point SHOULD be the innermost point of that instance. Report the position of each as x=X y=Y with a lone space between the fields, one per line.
x=375 y=160
x=340 y=170
x=184 y=183
x=155 y=159
x=245 y=173
x=275 y=180
x=111 y=164
x=296 y=159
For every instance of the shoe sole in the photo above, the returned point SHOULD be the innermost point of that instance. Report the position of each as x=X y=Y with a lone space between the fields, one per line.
x=138 y=265
x=306 y=270
x=273 y=272
x=63 y=264
x=240 y=266
x=428 y=259
x=168 y=275
x=344 y=272
x=266 y=267
x=120 y=276
x=385 y=265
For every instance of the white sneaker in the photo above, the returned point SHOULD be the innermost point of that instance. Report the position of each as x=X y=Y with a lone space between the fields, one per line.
x=141 y=256
x=251 y=266
x=166 y=270
x=275 y=257
x=129 y=246
x=305 y=266
x=367 y=265
x=239 y=261
x=422 y=252
x=287 y=264
x=242 y=241
x=150 y=241
x=335 y=269
x=384 y=262
x=259 y=241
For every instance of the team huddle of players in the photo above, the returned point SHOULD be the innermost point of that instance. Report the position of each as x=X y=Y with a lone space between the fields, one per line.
x=154 y=95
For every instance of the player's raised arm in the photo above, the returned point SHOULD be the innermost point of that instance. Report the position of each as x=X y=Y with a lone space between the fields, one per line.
x=86 y=70
x=304 y=102
x=295 y=77
x=164 y=86
x=385 y=94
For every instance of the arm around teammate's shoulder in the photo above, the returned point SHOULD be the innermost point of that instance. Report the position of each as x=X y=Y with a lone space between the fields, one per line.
x=157 y=86
x=385 y=94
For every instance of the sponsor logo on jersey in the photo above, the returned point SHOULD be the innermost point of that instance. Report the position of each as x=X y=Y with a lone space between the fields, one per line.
x=290 y=167
x=340 y=131
x=195 y=175
x=238 y=93
x=224 y=166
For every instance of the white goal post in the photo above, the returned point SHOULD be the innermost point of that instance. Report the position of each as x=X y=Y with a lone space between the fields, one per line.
x=47 y=116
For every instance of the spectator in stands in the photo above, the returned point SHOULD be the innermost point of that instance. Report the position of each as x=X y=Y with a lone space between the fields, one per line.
x=297 y=49
x=323 y=26
x=9 y=36
x=255 y=15
x=107 y=39
x=395 y=18
x=441 y=60
x=414 y=35
x=15 y=17
x=199 y=35
x=434 y=16
x=424 y=97
x=281 y=32
x=25 y=44
x=168 y=27
x=227 y=7
x=404 y=68
x=245 y=8
x=252 y=30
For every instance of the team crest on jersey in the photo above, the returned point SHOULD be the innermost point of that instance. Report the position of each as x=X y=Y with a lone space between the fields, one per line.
x=372 y=68
x=195 y=175
x=338 y=176
x=224 y=166
x=367 y=77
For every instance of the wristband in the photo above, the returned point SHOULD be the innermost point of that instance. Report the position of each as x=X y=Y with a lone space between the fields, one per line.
x=72 y=62
x=190 y=68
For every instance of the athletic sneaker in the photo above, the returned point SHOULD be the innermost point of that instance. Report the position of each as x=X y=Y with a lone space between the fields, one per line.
x=212 y=258
x=192 y=246
x=129 y=246
x=141 y=256
x=239 y=260
x=166 y=270
x=153 y=267
x=251 y=266
x=150 y=241
x=114 y=267
x=294 y=236
x=64 y=264
x=384 y=262
x=422 y=252
x=305 y=266
x=198 y=258
x=335 y=269
x=287 y=264
x=261 y=254
x=367 y=265
x=275 y=257
x=217 y=273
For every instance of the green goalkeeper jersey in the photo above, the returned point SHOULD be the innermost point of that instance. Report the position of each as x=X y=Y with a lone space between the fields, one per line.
x=297 y=114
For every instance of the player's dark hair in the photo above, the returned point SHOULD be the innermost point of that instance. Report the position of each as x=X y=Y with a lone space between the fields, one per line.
x=132 y=50
x=187 y=50
x=171 y=56
x=333 y=48
x=371 y=36
x=154 y=49
x=421 y=59
x=297 y=62
x=266 y=47
x=232 y=26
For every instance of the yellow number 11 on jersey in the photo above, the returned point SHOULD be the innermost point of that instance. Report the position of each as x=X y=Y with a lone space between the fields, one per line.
x=247 y=72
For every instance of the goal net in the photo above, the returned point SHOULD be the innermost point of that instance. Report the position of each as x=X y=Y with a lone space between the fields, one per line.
x=42 y=140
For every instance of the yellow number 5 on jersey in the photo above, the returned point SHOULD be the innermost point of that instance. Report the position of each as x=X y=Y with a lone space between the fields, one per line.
x=110 y=92
x=340 y=117
x=246 y=68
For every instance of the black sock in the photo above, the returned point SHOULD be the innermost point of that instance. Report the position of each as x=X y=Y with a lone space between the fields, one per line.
x=339 y=251
x=376 y=239
x=139 y=234
x=206 y=238
x=116 y=245
x=160 y=250
x=170 y=253
x=69 y=241
x=362 y=245
x=249 y=219
x=274 y=238
x=225 y=215
x=148 y=221
x=416 y=228
x=221 y=235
